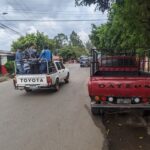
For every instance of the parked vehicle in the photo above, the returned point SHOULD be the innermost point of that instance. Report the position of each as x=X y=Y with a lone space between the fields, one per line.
x=84 y=62
x=119 y=82
x=56 y=73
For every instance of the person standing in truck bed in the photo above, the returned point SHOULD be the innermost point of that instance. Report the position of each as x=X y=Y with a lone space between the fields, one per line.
x=45 y=57
x=19 y=62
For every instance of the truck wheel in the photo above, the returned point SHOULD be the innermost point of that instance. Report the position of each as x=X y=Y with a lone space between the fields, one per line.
x=57 y=87
x=28 y=90
x=67 y=79
x=146 y=113
x=96 y=111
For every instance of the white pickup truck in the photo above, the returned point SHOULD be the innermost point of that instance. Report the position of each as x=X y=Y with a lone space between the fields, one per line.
x=56 y=73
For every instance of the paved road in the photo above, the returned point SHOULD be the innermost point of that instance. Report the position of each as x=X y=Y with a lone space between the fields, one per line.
x=45 y=120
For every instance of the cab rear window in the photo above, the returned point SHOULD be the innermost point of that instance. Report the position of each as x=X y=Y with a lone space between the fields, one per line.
x=118 y=62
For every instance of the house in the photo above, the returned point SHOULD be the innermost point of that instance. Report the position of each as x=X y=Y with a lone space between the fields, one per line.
x=4 y=57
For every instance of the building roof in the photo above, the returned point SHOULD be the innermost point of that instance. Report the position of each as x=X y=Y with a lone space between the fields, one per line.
x=6 y=53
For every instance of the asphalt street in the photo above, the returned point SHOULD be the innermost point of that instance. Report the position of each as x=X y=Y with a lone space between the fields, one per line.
x=46 y=120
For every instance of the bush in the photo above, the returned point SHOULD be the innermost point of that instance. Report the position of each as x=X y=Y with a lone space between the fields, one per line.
x=10 y=66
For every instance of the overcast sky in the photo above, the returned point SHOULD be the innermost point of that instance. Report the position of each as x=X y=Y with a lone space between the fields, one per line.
x=45 y=10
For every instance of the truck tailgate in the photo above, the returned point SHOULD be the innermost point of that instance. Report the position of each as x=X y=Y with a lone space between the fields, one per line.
x=23 y=80
x=120 y=86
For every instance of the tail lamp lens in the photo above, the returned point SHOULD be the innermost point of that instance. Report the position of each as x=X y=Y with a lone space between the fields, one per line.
x=103 y=98
x=97 y=98
x=49 y=80
x=145 y=100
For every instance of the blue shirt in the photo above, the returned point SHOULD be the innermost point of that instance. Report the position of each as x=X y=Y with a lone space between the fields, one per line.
x=19 y=56
x=46 y=54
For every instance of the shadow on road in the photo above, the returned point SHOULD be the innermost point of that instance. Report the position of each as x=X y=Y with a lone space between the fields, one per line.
x=123 y=131
x=44 y=92
x=98 y=123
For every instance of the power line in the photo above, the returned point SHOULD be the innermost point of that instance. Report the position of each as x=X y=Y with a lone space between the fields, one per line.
x=2 y=27
x=6 y=27
x=56 y=20
x=46 y=12
x=56 y=12
x=9 y=27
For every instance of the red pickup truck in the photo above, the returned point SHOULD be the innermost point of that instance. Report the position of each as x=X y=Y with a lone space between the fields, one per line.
x=119 y=82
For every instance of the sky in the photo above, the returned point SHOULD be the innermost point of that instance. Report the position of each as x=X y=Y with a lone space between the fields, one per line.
x=51 y=10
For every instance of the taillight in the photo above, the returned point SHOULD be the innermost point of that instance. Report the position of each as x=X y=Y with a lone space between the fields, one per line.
x=103 y=98
x=49 y=80
x=100 y=98
x=14 y=78
x=145 y=100
x=97 y=98
x=14 y=81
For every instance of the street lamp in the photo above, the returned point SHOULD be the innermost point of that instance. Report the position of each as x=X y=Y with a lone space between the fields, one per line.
x=4 y=13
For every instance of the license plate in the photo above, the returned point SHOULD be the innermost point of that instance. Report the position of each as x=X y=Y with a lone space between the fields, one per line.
x=123 y=101
x=32 y=86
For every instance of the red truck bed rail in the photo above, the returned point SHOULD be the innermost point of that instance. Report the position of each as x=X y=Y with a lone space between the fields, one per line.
x=124 y=63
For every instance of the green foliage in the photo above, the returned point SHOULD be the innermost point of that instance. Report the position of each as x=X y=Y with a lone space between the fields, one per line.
x=61 y=40
x=100 y=4
x=74 y=49
x=38 y=39
x=75 y=40
x=127 y=27
x=10 y=66
x=71 y=52
x=88 y=45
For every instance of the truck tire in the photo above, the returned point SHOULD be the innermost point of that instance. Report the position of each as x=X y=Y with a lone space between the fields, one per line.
x=67 y=78
x=56 y=86
x=97 y=111
x=146 y=113
x=28 y=90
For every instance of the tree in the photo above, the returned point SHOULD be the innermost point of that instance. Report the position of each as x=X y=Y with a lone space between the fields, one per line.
x=100 y=4
x=125 y=29
x=61 y=40
x=71 y=52
x=38 y=39
x=88 y=45
x=75 y=40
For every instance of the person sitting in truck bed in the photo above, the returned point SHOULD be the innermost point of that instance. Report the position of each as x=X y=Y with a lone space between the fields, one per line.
x=31 y=54
x=45 y=57
x=19 y=62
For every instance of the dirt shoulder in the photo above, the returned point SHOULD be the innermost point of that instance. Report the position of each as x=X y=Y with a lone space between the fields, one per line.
x=128 y=131
x=4 y=78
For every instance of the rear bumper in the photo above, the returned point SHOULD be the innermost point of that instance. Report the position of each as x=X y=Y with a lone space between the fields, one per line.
x=84 y=65
x=32 y=87
x=121 y=106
